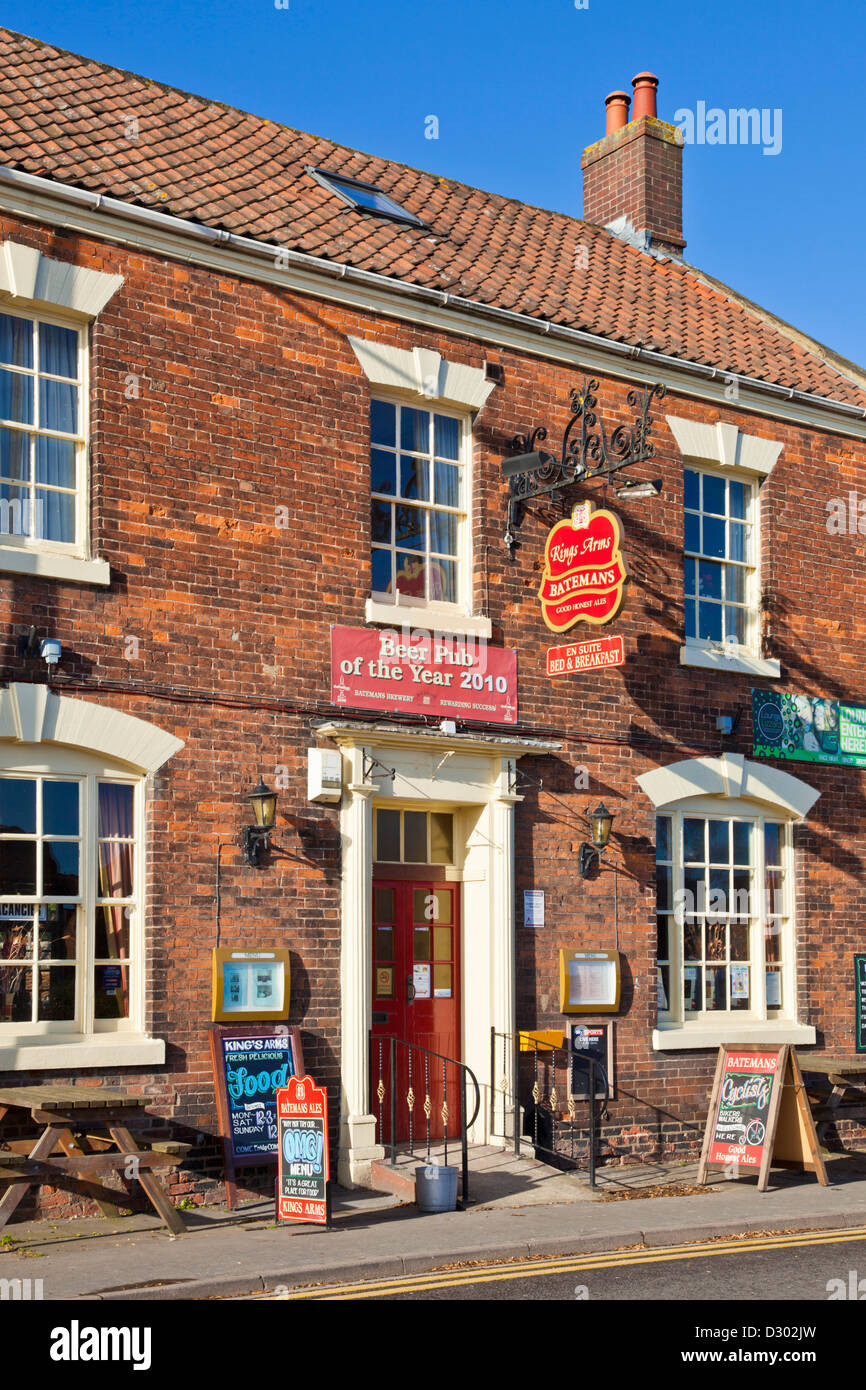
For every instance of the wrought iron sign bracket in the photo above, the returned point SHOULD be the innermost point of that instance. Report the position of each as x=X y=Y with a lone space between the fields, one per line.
x=370 y=762
x=587 y=456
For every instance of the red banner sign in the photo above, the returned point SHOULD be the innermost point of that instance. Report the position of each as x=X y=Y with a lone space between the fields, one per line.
x=303 y=1162
x=585 y=656
x=423 y=673
x=583 y=569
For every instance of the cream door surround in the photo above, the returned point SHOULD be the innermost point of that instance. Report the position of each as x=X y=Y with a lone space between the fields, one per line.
x=473 y=775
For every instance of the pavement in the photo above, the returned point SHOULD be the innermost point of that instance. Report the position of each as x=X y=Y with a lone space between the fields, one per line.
x=520 y=1209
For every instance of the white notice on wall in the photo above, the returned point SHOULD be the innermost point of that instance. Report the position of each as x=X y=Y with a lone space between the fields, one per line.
x=421 y=981
x=533 y=907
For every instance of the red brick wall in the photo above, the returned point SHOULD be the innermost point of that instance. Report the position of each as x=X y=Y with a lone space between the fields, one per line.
x=637 y=172
x=251 y=399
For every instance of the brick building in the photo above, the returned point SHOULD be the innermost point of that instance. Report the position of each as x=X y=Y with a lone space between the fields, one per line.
x=257 y=387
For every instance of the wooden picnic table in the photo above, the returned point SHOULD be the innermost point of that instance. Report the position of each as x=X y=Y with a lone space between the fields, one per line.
x=841 y=1093
x=68 y=1114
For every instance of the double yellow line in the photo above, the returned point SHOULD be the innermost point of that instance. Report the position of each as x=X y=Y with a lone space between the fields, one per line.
x=573 y=1264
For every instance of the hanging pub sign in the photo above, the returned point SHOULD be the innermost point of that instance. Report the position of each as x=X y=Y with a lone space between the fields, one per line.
x=759 y=1115
x=808 y=729
x=423 y=673
x=585 y=656
x=584 y=571
x=302 y=1165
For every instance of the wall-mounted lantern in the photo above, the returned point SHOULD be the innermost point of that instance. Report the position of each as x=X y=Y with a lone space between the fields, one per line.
x=256 y=838
x=600 y=821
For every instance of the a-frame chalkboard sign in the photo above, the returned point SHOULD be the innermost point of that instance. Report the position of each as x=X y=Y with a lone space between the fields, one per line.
x=759 y=1115
x=250 y=1064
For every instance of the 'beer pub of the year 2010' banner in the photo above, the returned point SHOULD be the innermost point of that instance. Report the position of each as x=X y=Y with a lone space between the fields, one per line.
x=423 y=673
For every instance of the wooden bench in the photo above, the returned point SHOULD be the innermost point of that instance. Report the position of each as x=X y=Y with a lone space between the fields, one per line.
x=836 y=1088
x=90 y=1125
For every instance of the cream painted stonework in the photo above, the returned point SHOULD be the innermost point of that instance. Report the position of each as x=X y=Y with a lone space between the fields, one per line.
x=472 y=776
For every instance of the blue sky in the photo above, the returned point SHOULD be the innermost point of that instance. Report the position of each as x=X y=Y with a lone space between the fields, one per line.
x=518 y=88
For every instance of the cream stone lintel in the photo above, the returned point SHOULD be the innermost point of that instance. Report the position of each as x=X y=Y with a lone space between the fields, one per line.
x=28 y=277
x=34 y=714
x=423 y=372
x=730 y=776
x=724 y=444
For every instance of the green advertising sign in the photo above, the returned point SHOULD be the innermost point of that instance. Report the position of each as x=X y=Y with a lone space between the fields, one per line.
x=808 y=729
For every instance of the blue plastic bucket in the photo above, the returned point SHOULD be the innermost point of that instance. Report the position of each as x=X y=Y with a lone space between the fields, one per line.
x=436 y=1187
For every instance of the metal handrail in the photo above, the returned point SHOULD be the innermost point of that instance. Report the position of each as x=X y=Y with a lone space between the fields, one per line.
x=379 y=1091
x=545 y=1049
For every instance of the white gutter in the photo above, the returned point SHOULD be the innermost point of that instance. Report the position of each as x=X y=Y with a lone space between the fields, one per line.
x=100 y=202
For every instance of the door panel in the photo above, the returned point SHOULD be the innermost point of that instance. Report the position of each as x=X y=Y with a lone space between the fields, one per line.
x=416 y=995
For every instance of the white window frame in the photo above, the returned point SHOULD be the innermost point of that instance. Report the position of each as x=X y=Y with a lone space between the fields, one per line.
x=80 y=547
x=89 y=773
x=705 y=808
x=751 y=648
x=34 y=286
x=722 y=448
x=732 y=787
x=398 y=608
x=424 y=378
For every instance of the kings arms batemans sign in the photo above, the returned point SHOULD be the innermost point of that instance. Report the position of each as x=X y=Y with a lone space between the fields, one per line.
x=584 y=570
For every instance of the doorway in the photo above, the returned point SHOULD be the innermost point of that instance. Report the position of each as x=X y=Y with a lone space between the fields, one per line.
x=416 y=995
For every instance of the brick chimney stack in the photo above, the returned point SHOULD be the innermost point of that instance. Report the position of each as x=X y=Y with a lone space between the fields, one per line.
x=636 y=171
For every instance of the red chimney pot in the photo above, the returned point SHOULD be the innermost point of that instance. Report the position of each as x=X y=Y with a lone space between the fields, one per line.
x=616 y=106
x=645 y=85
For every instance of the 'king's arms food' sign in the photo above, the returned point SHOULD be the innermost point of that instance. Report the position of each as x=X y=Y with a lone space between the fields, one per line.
x=584 y=570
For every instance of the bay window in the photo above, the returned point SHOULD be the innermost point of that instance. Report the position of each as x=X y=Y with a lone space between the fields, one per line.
x=70 y=870
x=724 y=918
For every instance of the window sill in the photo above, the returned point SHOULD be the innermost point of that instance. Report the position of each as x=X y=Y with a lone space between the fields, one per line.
x=741 y=663
x=675 y=1037
x=46 y=564
x=91 y=1050
x=432 y=616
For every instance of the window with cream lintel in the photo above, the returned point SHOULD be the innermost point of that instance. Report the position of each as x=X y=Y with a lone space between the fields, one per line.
x=42 y=431
x=70 y=869
x=723 y=916
x=418 y=530
x=719 y=557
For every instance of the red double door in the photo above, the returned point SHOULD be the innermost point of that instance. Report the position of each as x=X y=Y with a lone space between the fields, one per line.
x=416 y=997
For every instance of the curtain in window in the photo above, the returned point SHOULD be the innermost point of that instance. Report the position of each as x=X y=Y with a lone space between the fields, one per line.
x=115 y=869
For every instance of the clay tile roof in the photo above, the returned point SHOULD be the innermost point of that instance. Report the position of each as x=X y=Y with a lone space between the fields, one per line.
x=71 y=119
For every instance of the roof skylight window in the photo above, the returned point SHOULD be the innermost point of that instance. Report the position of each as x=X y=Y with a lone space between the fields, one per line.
x=364 y=196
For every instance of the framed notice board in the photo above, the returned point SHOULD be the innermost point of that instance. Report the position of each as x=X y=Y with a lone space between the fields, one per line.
x=589 y=982
x=860 y=1002
x=759 y=1115
x=592 y=1040
x=251 y=1063
x=250 y=985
